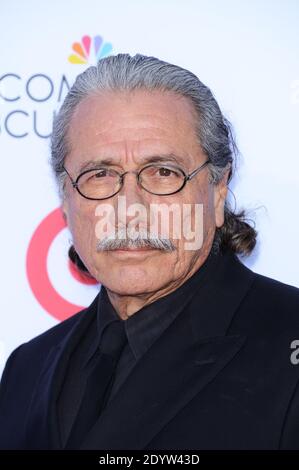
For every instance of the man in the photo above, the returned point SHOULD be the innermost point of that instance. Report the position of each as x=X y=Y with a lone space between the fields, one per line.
x=184 y=347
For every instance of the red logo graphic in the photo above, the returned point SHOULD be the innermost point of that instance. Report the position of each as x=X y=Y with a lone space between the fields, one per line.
x=36 y=265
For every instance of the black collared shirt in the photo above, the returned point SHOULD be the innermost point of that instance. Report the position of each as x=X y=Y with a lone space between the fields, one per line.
x=143 y=328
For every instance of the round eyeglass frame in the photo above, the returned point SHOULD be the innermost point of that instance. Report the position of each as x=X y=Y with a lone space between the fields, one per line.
x=186 y=178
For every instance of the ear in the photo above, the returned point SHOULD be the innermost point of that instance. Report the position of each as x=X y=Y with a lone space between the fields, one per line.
x=220 y=193
x=64 y=210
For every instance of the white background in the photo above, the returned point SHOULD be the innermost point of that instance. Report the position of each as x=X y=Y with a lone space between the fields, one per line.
x=247 y=52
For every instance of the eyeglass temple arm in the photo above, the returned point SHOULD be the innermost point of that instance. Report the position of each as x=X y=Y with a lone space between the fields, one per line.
x=194 y=172
x=74 y=184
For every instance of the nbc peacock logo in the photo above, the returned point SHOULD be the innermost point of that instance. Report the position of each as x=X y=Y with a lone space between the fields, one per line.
x=89 y=50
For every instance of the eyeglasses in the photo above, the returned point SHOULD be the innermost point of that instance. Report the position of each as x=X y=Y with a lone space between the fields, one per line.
x=159 y=179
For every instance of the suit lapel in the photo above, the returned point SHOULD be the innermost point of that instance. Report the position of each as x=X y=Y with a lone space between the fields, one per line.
x=42 y=429
x=171 y=373
x=185 y=359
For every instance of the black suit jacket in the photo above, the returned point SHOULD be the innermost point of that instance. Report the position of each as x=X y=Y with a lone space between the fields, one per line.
x=218 y=378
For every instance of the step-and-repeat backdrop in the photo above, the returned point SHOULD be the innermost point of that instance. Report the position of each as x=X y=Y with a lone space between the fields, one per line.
x=246 y=51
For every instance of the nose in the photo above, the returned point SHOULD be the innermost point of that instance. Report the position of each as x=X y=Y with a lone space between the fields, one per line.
x=134 y=194
x=131 y=189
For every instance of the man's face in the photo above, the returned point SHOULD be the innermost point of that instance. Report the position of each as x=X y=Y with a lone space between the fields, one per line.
x=129 y=128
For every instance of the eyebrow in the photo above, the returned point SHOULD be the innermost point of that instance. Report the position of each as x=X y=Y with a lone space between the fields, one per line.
x=179 y=160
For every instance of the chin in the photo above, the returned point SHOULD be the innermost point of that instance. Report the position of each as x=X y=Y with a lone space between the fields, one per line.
x=133 y=280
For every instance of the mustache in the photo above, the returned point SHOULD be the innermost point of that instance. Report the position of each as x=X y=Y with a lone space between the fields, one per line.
x=128 y=238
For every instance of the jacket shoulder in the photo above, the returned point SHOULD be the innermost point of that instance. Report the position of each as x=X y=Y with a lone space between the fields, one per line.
x=273 y=291
x=54 y=335
x=36 y=350
x=270 y=306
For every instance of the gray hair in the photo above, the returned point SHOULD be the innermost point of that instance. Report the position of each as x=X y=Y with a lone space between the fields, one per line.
x=123 y=72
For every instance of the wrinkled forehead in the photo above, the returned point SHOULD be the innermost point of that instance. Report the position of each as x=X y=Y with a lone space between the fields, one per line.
x=134 y=124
